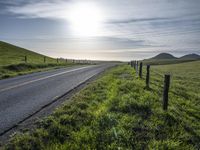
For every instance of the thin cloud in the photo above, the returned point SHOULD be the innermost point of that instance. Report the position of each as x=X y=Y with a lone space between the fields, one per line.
x=137 y=20
x=11 y=2
x=42 y=9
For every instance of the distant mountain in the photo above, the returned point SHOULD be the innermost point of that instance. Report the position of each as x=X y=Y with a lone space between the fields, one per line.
x=164 y=56
x=190 y=56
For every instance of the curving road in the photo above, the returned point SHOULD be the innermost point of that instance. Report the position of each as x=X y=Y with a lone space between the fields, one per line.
x=24 y=95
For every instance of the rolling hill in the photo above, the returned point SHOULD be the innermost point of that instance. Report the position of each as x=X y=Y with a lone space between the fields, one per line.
x=12 y=61
x=11 y=54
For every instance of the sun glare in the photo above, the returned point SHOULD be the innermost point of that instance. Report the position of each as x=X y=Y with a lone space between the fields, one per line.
x=85 y=19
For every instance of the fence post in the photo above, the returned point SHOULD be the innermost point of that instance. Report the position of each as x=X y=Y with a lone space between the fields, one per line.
x=136 y=67
x=165 y=91
x=135 y=64
x=131 y=63
x=25 y=59
x=44 y=59
x=140 y=71
x=147 y=76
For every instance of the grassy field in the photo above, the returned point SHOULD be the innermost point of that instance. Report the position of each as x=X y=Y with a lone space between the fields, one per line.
x=118 y=112
x=166 y=61
x=12 y=61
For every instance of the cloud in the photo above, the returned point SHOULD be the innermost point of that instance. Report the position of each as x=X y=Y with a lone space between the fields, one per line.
x=123 y=43
x=11 y=2
x=39 y=9
x=137 y=20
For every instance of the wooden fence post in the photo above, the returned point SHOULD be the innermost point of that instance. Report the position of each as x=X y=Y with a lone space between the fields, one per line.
x=165 y=91
x=147 y=76
x=136 y=66
x=44 y=59
x=25 y=59
x=140 y=71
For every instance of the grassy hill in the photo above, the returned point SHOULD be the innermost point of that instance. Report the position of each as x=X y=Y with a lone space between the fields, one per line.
x=118 y=112
x=11 y=54
x=165 y=58
x=12 y=61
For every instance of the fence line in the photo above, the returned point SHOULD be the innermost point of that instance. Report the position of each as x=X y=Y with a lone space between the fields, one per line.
x=165 y=98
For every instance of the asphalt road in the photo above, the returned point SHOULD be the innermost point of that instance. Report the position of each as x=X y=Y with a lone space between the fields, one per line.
x=24 y=95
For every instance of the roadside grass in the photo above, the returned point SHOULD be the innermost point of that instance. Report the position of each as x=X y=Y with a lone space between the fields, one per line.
x=26 y=68
x=118 y=112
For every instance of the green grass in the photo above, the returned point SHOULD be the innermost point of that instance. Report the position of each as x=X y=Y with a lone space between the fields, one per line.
x=166 y=61
x=26 y=68
x=12 y=61
x=118 y=112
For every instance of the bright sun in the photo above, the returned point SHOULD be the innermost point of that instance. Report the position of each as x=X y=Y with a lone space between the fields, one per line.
x=85 y=19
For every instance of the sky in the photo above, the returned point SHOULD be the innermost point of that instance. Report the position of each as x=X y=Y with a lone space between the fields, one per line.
x=102 y=29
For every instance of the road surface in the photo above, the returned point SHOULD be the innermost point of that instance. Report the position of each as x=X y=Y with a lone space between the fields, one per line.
x=22 y=96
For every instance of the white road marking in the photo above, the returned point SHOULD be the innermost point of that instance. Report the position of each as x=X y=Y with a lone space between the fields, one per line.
x=28 y=82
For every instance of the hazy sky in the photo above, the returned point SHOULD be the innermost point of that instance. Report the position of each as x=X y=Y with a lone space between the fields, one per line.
x=102 y=29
